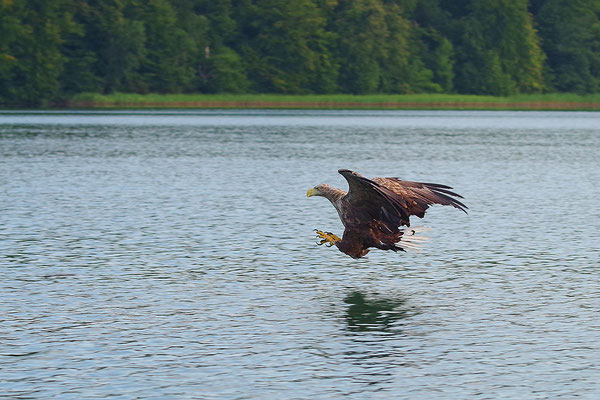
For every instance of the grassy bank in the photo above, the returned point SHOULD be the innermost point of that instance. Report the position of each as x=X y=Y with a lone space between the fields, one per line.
x=558 y=101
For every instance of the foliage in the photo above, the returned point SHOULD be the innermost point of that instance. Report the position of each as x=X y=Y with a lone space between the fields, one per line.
x=571 y=30
x=497 y=49
x=51 y=50
x=31 y=56
x=287 y=47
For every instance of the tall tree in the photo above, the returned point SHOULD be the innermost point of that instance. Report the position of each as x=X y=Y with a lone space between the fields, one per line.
x=219 y=67
x=286 y=47
x=106 y=54
x=402 y=67
x=571 y=32
x=121 y=43
x=499 y=51
x=33 y=57
x=11 y=29
x=166 y=67
x=379 y=49
x=435 y=27
x=362 y=31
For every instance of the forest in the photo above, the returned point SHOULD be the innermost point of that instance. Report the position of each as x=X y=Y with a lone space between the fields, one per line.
x=51 y=50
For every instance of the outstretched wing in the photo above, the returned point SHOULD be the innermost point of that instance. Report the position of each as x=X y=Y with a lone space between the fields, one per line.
x=418 y=196
x=391 y=200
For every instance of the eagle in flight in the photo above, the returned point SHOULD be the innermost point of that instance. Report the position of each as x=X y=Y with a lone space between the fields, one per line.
x=373 y=210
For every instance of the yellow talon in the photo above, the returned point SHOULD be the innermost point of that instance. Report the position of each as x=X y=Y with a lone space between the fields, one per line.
x=327 y=238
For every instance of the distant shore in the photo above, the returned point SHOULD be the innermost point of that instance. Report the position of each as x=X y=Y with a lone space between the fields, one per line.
x=557 y=101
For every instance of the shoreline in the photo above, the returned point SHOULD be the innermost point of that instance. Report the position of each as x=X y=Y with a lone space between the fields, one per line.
x=530 y=102
x=440 y=101
x=333 y=105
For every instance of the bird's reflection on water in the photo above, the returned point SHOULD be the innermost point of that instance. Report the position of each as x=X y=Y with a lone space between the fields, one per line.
x=377 y=314
x=375 y=350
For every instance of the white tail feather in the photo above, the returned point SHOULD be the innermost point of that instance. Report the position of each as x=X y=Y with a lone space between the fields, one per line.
x=413 y=238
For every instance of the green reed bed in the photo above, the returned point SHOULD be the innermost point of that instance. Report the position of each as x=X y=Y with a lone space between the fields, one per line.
x=554 y=101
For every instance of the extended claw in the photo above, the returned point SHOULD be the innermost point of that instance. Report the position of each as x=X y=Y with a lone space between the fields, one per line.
x=327 y=238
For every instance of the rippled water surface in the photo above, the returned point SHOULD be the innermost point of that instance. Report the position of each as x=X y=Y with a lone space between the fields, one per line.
x=171 y=255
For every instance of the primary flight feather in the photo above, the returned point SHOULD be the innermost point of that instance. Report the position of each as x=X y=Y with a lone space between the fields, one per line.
x=373 y=210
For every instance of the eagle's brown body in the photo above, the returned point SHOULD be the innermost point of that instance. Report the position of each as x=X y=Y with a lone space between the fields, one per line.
x=373 y=210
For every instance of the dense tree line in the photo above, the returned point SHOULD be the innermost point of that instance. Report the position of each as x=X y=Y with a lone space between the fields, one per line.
x=52 y=49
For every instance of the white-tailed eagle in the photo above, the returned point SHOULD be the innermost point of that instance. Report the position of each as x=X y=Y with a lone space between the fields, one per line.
x=373 y=210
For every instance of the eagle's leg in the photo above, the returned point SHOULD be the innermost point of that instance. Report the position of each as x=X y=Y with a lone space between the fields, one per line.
x=327 y=237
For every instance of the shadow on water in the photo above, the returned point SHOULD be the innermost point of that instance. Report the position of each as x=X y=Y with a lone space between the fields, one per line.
x=378 y=314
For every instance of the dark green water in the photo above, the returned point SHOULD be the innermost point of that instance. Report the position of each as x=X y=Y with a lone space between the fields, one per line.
x=170 y=255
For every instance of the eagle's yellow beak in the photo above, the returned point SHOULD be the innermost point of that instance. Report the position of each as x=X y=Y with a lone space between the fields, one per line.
x=312 y=192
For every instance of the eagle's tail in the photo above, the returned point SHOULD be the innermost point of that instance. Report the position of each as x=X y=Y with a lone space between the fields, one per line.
x=413 y=238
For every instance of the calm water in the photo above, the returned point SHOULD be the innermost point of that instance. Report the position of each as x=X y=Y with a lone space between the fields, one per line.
x=170 y=255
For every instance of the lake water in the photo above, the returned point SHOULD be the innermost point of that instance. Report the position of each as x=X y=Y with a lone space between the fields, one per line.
x=171 y=255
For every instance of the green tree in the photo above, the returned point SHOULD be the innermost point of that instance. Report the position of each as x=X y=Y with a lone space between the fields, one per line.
x=571 y=32
x=11 y=29
x=436 y=29
x=499 y=51
x=167 y=66
x=403 y=70
x=362 y=34
x=379 y=50
x=224 y=72
x=120 y=39
x=32 y=58
x=286 y=47
x=441 y=62
x=105 y=56
x=219 y=67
